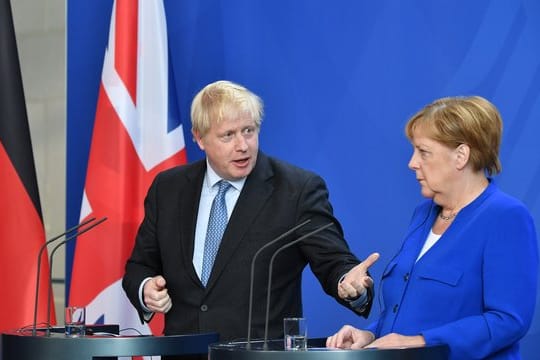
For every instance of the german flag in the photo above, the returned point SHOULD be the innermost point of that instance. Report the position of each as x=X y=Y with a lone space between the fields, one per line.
x=21 y=222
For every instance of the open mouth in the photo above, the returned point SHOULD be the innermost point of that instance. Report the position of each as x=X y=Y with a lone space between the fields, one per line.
x=241 y=162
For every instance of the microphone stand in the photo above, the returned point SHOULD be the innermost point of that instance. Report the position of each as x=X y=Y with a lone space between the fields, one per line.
x=265 y=345
x=250 y=311
x=49 y=293
x=40 y=253
x=69 y=238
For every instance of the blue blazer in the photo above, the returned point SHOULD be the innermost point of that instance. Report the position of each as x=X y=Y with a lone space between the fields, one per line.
x=475 y=289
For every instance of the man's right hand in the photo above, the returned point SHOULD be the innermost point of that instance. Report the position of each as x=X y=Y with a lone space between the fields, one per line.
x=155 y=295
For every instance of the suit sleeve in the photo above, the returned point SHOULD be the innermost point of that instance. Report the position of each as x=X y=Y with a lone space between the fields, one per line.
x=327 y=252
x=144 y=261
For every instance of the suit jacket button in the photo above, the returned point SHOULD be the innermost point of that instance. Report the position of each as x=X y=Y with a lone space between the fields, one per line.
x=204 y=307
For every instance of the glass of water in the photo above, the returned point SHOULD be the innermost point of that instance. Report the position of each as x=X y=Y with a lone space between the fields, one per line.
x=75 y=321
x=295 y=333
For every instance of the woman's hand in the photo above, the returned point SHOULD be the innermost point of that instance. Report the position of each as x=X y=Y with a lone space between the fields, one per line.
x=394 y=340
x=349 y=337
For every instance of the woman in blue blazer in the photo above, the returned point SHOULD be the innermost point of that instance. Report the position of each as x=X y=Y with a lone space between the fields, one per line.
x=466 y=273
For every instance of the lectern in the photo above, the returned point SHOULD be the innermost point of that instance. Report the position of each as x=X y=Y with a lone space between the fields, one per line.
x=317 y=351
x=56 y=346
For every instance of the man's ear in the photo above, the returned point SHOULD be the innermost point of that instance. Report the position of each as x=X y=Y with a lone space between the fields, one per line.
x=463 y=152
x=197 y=137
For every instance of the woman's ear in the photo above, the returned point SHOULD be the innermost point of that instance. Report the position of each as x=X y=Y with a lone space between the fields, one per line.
x=463 y=152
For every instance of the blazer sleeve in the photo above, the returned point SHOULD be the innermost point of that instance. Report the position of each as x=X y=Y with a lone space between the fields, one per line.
x=327 y=252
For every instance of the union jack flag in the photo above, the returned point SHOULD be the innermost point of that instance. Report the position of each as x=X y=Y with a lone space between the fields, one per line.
x=137 y=133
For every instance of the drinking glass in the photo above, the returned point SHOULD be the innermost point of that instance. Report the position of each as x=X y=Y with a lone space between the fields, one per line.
x=295 y=333
x=75 y=321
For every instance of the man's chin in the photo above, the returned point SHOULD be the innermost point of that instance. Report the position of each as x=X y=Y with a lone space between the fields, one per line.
x=239 y=174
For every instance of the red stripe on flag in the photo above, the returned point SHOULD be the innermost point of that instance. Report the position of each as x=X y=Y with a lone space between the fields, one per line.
x=21 y=236
x=126 y=44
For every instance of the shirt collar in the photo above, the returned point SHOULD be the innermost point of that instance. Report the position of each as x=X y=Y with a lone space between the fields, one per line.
x=212 y=178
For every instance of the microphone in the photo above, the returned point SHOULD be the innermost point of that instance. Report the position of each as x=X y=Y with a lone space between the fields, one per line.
x=319 y=229
x=250 y=311
x=67 y=239
x=40 y=253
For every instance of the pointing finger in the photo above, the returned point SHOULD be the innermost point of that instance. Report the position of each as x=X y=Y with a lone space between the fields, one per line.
x=370 y=260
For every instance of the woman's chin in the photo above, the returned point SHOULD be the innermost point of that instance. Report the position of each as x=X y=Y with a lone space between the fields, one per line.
x=427 y=193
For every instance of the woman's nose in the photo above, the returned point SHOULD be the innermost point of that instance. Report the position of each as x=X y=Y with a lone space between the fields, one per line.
x=413 y=163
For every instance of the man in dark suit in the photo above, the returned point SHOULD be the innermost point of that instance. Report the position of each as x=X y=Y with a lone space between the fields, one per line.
x=264 y=198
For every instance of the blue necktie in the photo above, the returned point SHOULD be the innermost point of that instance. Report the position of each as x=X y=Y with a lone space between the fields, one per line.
x=216 y=227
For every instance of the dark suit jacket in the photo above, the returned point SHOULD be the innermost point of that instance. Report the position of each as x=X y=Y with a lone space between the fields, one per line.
x=276 y=196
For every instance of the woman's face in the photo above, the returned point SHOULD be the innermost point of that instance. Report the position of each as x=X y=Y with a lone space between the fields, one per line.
x=434 y=164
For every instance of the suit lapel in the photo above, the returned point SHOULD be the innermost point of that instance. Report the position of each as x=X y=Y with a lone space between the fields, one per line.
x=255 y=193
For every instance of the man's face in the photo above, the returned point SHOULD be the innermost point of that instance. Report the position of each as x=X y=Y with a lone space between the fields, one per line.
x=231 y=145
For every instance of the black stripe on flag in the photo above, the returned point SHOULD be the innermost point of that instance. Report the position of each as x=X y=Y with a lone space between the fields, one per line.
x=14 y=130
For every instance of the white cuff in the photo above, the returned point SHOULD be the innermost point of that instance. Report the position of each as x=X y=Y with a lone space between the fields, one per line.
x=147 y=312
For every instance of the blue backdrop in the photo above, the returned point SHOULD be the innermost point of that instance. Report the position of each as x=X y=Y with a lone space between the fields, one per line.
x=339 y=80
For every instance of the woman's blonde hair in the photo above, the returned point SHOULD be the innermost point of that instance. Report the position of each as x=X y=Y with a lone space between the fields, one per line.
x=472 y=120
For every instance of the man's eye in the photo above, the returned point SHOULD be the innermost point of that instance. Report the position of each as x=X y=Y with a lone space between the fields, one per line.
x=227 y=136
x=248 y=131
